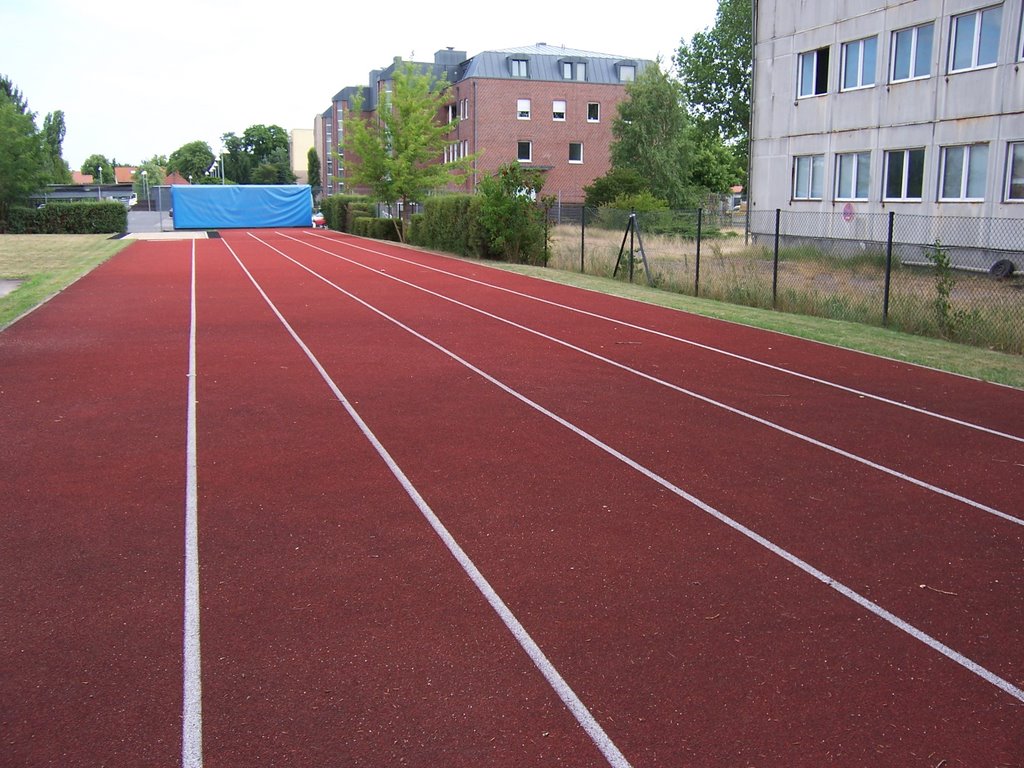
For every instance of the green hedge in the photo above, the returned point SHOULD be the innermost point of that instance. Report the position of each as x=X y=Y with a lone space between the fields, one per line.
x=379 y=229
x=340 y=211
x=67 y=219
x=449 y=223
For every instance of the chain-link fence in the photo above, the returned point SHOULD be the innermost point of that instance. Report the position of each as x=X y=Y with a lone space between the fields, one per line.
x=955 y=278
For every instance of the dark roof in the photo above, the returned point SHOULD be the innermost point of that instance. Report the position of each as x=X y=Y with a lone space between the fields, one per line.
x=544 y=62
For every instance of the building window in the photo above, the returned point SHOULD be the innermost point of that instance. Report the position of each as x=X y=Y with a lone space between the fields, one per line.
x=859 y=63
x=523 y=109
x=519 y=68
x=912 y=53
x=813 y=67
x=558 y=110
x=525 y=152
x=452 y=113
x=974 y=39
x=904 y=174
x=575 y=152
x=465 y=109
x=574 y=70
x=853 y=176
x=627 y=73
x=593 y=112
x=1015 y=172
x=964 y=170
x=808 y=177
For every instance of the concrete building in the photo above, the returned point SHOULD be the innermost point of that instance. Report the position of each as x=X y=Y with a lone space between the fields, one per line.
x=870 y=106
x=547 y=107
x=300 y=141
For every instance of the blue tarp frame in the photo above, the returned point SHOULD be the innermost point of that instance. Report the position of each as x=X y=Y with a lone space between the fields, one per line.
x=224 y=206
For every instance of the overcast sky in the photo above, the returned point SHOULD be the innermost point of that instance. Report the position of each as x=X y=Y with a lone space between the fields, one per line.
x=138 y=78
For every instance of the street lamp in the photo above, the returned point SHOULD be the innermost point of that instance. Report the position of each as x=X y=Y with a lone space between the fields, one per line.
x=99 y=173
x=145 y=187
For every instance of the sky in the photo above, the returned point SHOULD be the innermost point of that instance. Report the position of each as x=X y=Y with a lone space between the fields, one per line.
x=139 y=78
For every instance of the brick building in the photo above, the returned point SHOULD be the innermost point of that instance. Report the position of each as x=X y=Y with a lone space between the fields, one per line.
x=546 y=106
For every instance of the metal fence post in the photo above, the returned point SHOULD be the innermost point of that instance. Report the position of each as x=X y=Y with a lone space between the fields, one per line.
x=696 y=275
x=583 y=239
x=888 y=270
x=775 y=260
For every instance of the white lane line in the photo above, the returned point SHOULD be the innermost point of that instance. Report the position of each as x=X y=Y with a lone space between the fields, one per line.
x=682 y=390
x=192 y=706
x=697 y=344
x=874 y=608
x=572 y=702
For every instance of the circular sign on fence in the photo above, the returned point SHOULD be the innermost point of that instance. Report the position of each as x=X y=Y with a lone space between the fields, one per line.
x=848 y=212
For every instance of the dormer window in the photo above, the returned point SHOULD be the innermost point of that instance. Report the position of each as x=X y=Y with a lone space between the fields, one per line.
x=627 y=72
x=519 y=68
x=574 y=70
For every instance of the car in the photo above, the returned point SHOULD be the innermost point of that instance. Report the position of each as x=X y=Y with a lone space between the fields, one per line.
x=319 y=222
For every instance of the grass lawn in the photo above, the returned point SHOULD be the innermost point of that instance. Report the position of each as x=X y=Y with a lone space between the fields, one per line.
x=45 y=265
x=49 y=263
x=979 y=363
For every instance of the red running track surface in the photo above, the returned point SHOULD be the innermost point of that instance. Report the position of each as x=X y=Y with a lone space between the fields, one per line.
x=449 y=515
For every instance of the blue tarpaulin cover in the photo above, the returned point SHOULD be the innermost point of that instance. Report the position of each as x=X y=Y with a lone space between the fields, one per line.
x=213 y=206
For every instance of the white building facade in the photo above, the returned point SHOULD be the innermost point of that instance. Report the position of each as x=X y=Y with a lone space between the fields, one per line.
x=871 y=106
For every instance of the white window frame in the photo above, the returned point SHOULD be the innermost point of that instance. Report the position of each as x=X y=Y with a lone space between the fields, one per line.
x=594 y=119
x=854 y=167
x=558 y=110
x=915 y=42
x=905 y=176
x=815 y=177
x=811 y=58
x=523 y=109
x=529 y=151
x=979 y=16
x=967 y=164
x=1011 y=150
x=581 y=71
x=576 y=144
x=865 y=70
x=520 y=67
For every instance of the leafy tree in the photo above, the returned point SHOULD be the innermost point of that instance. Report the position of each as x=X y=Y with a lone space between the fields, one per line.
x=313 y=170
x=651 y=136
x=398 y=155
x=22 y=168
x=193 y=159
x=53 y=141
x=263 y=141
x=714 y=166
x=614 y=184
x=11 y=93
x=509 y=215
x=105 y=166
x=715 y=69
x=154 y=175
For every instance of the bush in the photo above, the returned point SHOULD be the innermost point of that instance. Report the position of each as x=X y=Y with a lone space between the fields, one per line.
x=448 y=224
x=84 y=218
x=512 y=222
x=378 y=229
x=340 y=211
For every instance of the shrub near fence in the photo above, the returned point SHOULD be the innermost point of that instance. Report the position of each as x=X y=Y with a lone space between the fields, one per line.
x=881 y=270
x=98 y=218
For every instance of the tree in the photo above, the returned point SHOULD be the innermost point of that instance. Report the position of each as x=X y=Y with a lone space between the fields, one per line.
x=715 y=70
x=613 y=185
x=99 y=167
x=22 y=169
x=509 y=214
x=10 y=92
x=53 y=141
x=651 y=136
x=193 y=159
x=153 y=176
x=313 y=170
x=399 y=155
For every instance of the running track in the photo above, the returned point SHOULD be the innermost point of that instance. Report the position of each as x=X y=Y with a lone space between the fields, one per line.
x=299 y=499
